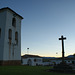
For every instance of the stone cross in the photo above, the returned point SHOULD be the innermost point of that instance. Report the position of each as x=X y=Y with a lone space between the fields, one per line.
x=62 y=39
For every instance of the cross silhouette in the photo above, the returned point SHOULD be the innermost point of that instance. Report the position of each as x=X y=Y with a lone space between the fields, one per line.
x=62 y=39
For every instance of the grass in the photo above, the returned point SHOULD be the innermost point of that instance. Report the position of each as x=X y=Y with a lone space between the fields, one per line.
x=27 y=70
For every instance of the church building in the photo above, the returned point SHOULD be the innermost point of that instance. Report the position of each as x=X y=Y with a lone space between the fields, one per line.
x=10 y=37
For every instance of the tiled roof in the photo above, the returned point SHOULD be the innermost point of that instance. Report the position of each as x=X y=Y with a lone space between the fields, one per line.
x=28 y=56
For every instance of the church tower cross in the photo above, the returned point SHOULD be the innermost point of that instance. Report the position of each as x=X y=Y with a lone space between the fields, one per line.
x=62 y=39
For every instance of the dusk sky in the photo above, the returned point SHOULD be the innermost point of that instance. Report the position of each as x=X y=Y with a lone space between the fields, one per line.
x=44 y=22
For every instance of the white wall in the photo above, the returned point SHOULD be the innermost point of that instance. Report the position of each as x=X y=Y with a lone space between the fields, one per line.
x=6 y=24
x=2 y=26
x=46 y=63
x=38 y=61
x=59 y=61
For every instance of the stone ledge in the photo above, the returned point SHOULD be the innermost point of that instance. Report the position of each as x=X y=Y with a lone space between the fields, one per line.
x=11 y=62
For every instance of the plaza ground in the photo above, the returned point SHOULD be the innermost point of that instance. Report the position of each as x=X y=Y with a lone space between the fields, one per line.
x=27 y=70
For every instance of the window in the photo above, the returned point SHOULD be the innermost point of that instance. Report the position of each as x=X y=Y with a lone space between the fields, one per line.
x=0 y=32
x=10 y=34
x=14 y=22
x=34 y=60
x=16 y=37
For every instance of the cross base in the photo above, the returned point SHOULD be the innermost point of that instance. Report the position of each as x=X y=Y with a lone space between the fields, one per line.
x=63 y=68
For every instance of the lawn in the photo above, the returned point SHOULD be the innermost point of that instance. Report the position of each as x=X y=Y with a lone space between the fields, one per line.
x=27 y=70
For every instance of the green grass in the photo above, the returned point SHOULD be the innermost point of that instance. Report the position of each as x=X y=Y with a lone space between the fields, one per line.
x=27 y=70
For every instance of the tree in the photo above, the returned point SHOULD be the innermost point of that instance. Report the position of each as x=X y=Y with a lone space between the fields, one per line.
x=74 y=54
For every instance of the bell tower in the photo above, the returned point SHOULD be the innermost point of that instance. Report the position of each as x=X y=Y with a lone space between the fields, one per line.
x=10 y=37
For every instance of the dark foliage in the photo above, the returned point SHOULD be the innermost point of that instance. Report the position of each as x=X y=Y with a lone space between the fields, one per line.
x=63 y=67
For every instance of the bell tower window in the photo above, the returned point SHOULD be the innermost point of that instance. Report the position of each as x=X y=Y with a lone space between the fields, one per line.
x=10 y=34
x=16 y=37
x=14 y=22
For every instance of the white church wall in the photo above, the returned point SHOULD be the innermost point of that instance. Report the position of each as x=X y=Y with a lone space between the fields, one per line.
x=17 y=48
x=6 y=24
x=10 y=37
x=24 y=61
x=2 y=26
x=6 y=43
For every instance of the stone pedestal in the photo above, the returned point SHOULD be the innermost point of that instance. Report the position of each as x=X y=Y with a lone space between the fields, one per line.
x=63 y=68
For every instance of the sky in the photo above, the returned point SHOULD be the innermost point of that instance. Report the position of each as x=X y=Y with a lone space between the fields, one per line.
x=43 y=24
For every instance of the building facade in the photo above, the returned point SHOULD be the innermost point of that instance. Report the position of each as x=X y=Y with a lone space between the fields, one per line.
x=55 y=61
x=10 y=37
x=34 y=60
x=31 y=60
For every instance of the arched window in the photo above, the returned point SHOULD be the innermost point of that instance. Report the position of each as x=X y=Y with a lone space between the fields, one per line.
x=29 y=62
x=0 y=32
x=14 y=22
x=16 y=37
x=34 y=60
x=10 y=34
